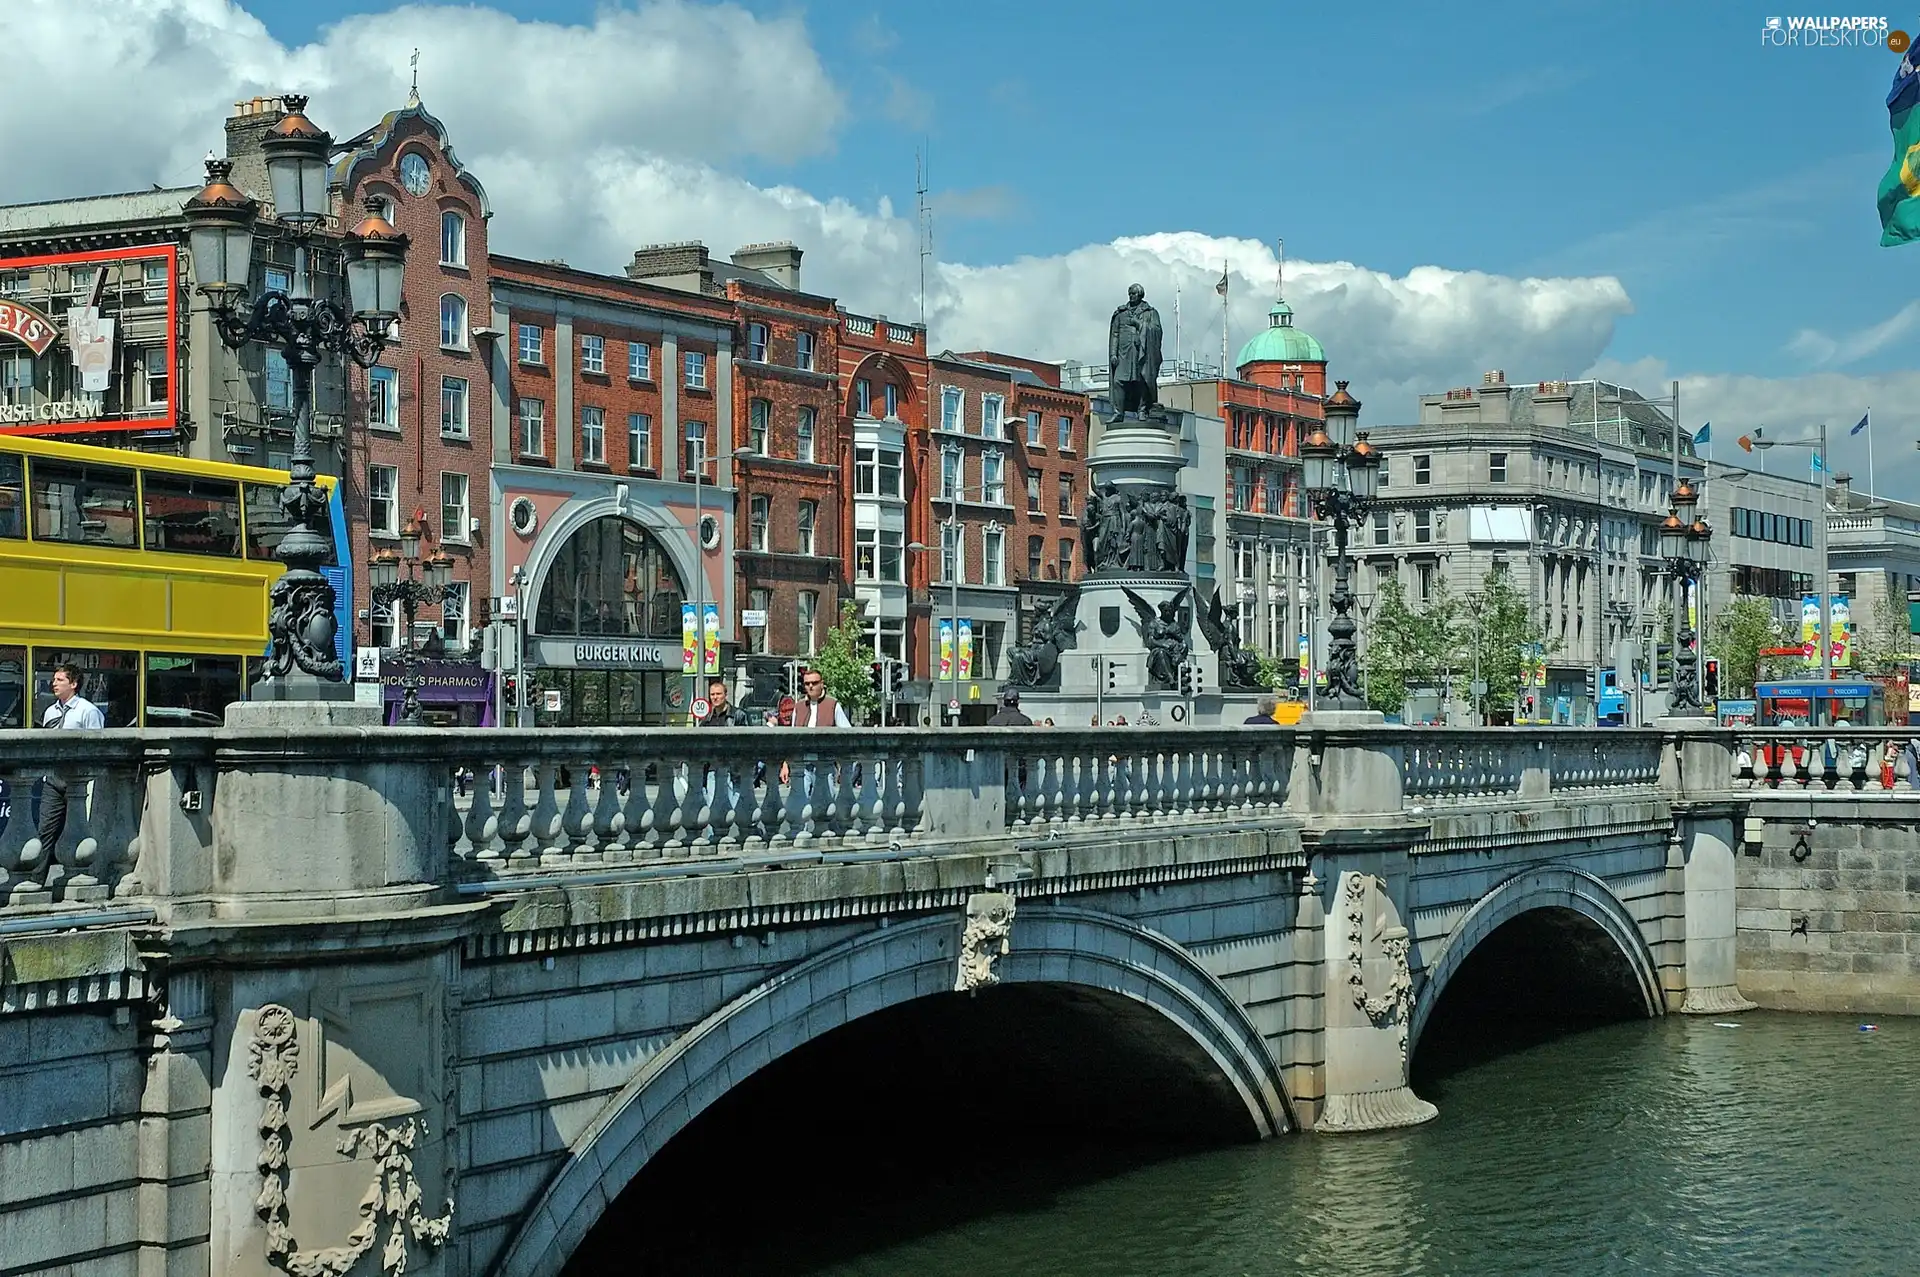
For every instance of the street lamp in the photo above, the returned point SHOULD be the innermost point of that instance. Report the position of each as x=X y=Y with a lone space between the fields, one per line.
x=410 y=592
x=1343 y=478
x=221 y=225
x=1820 y=455
x=1683 y=544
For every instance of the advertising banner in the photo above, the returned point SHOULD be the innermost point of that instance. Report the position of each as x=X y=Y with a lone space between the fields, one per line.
x=966 y=648
x=1810 y=629
x=1842 y=633
x=1306 y=658
x=689 y=640
x=946 y=649
x=712 y=657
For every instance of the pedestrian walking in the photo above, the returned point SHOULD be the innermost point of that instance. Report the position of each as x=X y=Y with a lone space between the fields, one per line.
x=69 y=712
x=1264 y=716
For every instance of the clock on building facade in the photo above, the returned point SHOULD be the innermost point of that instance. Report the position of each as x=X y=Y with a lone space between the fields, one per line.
x=413 y=172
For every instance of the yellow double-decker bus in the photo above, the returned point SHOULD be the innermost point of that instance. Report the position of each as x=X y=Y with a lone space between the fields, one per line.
x=149 y=573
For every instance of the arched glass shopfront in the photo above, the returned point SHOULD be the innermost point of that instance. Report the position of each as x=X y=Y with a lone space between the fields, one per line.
x=611 y=580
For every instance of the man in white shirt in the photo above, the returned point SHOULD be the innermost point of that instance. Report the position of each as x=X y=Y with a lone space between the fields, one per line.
x=70 y=711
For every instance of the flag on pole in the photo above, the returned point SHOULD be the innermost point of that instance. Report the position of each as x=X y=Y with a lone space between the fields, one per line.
x=1818 y=464
x=1900 y=189
x=1861 y=424
x=1745 y=442
x=1704 y=435
x=1221 y=287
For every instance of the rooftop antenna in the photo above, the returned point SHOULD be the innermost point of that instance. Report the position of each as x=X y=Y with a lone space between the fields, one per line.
x=413 y=95
x=923 y=213
x=1280 y=279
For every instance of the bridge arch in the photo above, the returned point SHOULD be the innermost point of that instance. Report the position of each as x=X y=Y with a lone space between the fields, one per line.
x=884 y=968
x=1543 y=887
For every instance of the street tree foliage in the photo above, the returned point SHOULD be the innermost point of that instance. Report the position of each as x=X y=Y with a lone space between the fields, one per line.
x=1278 y=672
x=845 y=664
x=1405 y=647
x=1883 y=637
x=1743 y=628
x=1498 y=634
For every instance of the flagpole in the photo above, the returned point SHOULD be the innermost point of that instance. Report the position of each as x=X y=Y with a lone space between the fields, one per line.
x=1176 y=330
x=1224 y=286
x=1870 y=487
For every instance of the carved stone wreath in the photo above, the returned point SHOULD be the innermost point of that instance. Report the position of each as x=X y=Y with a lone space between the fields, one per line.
x=392 y=1200
x=1395 y=1006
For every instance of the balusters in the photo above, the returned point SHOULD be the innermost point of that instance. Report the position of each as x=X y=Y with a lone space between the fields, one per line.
x=516 y=821
x=482 y=823
x=576 y=822
x=799 y=812
x=609 y=823
x=548 y=834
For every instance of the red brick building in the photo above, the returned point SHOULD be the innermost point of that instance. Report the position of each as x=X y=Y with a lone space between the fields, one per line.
x=419 y=443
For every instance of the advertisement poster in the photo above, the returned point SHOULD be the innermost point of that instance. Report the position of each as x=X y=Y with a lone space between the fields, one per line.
x=1810 y=628
x=689 y=640
x=966 y=649
x=1306 y=658
x=90 y=338
x=946 y=649
x=1693 y=611
x=1842 y=633
x=712 y=663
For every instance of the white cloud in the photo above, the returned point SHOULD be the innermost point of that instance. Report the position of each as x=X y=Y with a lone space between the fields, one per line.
x=1823 y=350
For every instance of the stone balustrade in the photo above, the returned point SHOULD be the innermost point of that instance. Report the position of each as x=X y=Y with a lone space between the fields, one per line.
x=1853 y=760
x=1488 y=765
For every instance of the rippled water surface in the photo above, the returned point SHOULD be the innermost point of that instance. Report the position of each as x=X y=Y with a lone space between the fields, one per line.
x=1788 y=1145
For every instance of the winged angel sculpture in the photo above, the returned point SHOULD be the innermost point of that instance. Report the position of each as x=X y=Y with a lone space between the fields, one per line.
x=1167 y=632
x=1220 y=625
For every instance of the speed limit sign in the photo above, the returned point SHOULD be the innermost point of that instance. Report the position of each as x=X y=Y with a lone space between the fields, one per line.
x=701 y=708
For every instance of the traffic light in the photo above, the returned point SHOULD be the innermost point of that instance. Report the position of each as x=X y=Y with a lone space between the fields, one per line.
x=877 y=675
x=1593 y=685
x=897 y=671
x=1527 y=707
x=1710 y=680
x=1186 y=680
x=1113 y=676
x=513 y=691
x=1663 y=664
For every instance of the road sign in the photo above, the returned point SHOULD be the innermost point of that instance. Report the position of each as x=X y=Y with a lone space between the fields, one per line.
x=753 y=618
x=701 y=708
x=954 y=704
x=552 y=700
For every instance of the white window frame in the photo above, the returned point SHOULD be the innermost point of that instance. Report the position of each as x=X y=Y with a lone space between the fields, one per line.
x=863 y=396
x=145 y=366
x=639 y=361
x=993 y=416
x=806 y=522
x=1065 y=427
x=1036 y=497
x=953 y=474
x=803 y=350
x=759 y=599
x=993 y=556
x=593 y=354
x=455 y=407
x=153 y=282
x=953 y=410
x=383 y=500
x=866 y=471
x=1496 y=470
x=383 y=626
x=892 y=470
x=1036 y=429
x=758 y=336
x=1065 y=486
x=890 y=402
x=803 y=435
x=993 y=477
x=759 y=522
x=806 y=608
x=453 y=321
x=953 y=553
x=593 y=435
x=695 y=364
x=530 y=345
x=759 y=424
x=383 y=398
x=534 y=422
x=453 y=246
x=454 y=610
x=455 y=514
x=639 y=441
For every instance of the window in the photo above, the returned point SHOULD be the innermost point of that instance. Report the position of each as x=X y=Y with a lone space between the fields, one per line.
x=1066 y=558
x=759 y=420
x=13 y=497
x=453 y=322
x=1034 y=430
x=453 y=616
x=863 y=397
x=757 y=343
x=279 y=379
x=530 y=339
x=610 y=577
x=806 y=611
x=1496 y=467
x=991 y=407
x=1066 y=496
x=1423 y=582
x=153 y=281
x=453 y=239
x=279 y=279
x=993 y=482
x=809 y=513
x=16 y=377
x=761 y=601
x=151 y=365
x=1386 y=471
x=759 y=515
x=1242 y=488
x=639 y=441
x=696 y=365
x=453 y=506
x=1382 y=533
x=1423 y=527
x=593 y=436
x=380 y=627
x=532 y=416
x=13 y=283
x=878 y=555
x=803 y=439
x=1845 y=584
x=185 y=515
x=1033 y=491
x=383 y=399
x=950 y=476
x=876 y=472
x=1423 y=469
x=453 y=407
x=639 y=361
x=1036 y=551
x=891 y=400
x=889 y=473
x=992 y=556
x=803 y=351
x=693 y=446
x=593 y=354
x=951 y=419
x=952 y=553
x=383 y=500
x=1066 y=434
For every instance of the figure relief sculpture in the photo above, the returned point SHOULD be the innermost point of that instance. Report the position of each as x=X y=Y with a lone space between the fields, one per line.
x=986 y=939
x=1133 y=358
x=1220 y=626
x=1374 y=932
x=1054 y=630
x=1139 y=529
x=1167 y=632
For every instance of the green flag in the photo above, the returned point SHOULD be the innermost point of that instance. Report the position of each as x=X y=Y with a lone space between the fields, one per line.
x=1900 y=188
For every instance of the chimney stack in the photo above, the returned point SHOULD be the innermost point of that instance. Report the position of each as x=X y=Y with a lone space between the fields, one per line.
x=779 y=261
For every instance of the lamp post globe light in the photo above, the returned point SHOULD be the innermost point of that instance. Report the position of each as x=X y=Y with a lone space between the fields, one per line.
x=1684 y=541
x=410 y=592
x=1342 y=477
x=221 y=226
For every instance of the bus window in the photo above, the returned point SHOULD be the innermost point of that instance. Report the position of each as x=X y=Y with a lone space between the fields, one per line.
x=13 y=687
x=13 y=496
x=190 y=691
x=84 y=503
x=266 y=525
x=110 y=680
x=191 y=516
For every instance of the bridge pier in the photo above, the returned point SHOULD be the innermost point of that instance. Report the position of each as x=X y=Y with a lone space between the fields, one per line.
x=1694 y=772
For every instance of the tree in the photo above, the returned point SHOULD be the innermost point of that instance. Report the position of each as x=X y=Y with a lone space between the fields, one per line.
x=1882 y=639
x=1408 y=648
x=1742 y=628
x=1277 y=672
x=1499 y=633
x=845 y=664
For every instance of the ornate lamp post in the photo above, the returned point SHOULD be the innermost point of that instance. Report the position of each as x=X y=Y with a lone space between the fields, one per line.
x=1683 y=544
x=410 y=593
x=221 y=223
x=1343 y=477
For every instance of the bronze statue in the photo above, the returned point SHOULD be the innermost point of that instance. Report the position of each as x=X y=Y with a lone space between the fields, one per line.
x=1167 y=633
x=1053 y=632
x=1133 y=358
x=1220 y=626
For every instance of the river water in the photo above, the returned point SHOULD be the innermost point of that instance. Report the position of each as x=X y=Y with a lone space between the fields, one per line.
x=1789 y=1145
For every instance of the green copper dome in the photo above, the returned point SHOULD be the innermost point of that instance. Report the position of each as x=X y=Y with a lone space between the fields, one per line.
x=1281 y=342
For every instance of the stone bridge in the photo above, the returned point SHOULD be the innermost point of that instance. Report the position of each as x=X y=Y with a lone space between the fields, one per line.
x=497 y=973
